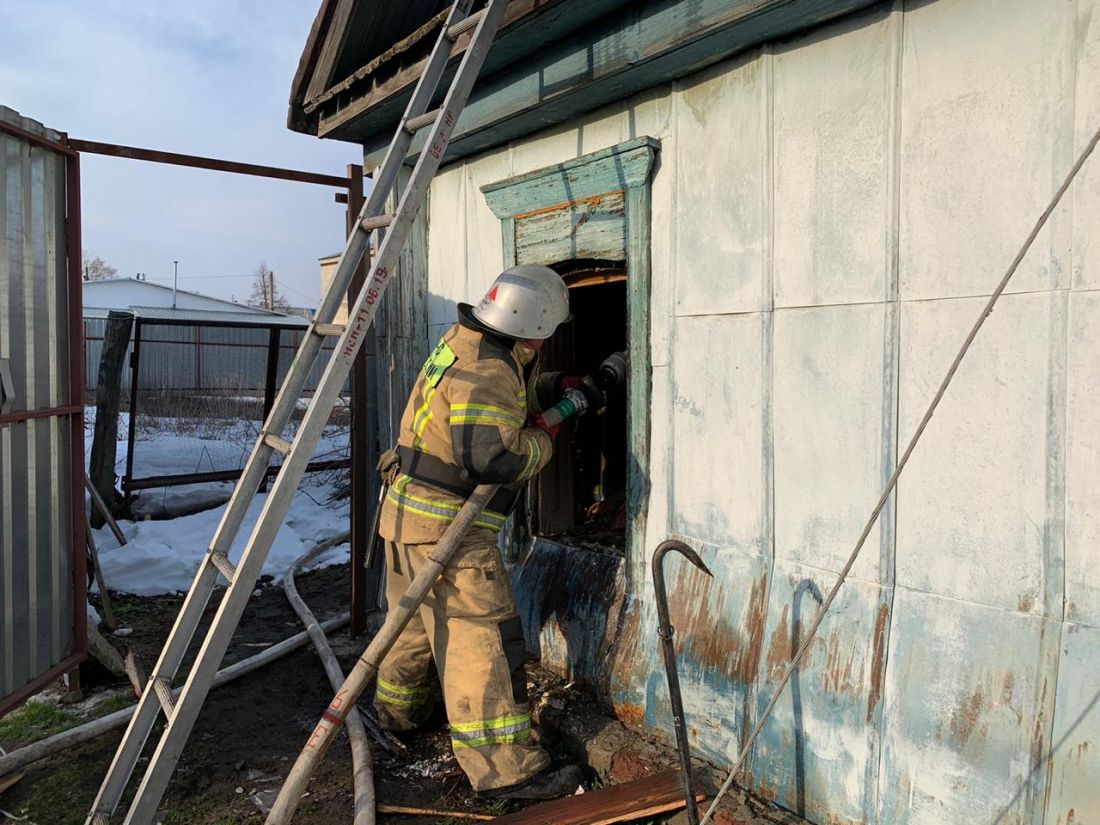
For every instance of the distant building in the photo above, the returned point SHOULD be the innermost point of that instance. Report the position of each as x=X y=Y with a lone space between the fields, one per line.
x=129 y=293
x=192 y=342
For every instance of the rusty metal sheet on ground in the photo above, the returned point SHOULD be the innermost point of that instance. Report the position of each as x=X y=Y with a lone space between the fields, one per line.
x=648 y=796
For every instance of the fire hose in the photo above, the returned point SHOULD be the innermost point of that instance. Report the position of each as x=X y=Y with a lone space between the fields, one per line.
x=361 y=759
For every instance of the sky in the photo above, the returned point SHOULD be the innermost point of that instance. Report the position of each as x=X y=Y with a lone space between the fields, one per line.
x=203 y=77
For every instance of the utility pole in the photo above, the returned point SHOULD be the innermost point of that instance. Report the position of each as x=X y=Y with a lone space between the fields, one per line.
x=271 y=290
x=175 y=281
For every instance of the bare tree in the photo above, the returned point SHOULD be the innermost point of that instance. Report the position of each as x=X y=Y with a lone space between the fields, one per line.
x=97 y=269
x=264 y=292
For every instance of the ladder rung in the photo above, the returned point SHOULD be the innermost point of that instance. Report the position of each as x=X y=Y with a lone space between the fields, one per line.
x=280 y=444
x=415 y=124
x=330 y=330
x=224 y=565
x=164 y=692
x=377 y=222
x=453 y=32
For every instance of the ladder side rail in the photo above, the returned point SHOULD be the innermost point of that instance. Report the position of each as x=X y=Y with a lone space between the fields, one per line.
x=385 y=179
x=171 y=657
x=145 y=716
x=286 y=484
x=356 y=248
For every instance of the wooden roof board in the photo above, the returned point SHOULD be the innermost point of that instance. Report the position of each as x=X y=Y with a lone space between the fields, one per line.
x=344 y=35
x=529 y=26
x=374 y=27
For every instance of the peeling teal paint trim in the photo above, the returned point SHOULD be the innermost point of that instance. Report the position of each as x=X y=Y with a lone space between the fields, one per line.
x=627 y=165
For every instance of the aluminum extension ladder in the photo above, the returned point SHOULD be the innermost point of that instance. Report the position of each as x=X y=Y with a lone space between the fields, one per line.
x=180 y=708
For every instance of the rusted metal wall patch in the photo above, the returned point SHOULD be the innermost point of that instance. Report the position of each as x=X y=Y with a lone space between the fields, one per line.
x=821 y=741
x=967 y=716
x=1074 y=749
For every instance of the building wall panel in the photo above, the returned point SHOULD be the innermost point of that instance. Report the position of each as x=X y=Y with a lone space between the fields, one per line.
x=832 y=149
x=975 y=491
x=987 y=95
x=717 y=484
x=829 y=464
x=484 y=246
x=818 y=754
x=1074 y=749
x=720 y=134
x=1082 y=583
x=719 y=635
x=966 y=706
x=447 y=241
x=1085 y=196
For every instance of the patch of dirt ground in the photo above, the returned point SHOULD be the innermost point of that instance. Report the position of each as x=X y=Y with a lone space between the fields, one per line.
x=251 y=730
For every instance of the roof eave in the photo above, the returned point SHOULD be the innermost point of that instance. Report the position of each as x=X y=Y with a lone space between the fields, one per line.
x=646 y=44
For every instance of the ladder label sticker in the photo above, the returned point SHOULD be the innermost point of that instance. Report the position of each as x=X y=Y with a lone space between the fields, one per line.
x=438 y=362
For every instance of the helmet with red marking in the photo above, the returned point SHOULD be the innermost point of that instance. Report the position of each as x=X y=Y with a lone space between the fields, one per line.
x=525 y=301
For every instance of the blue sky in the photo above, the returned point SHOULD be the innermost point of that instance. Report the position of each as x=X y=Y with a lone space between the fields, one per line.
x=206 y=77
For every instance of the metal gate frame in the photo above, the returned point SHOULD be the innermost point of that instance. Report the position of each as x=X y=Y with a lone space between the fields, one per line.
x=74 y=411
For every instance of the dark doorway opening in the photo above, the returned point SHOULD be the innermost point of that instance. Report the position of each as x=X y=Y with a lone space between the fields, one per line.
x=580 y=497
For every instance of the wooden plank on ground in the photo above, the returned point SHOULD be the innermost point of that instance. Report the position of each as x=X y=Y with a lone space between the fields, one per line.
x=9 y=780
x=649 y=796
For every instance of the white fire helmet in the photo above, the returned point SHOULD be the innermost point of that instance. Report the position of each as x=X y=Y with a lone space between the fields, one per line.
x=526 y=301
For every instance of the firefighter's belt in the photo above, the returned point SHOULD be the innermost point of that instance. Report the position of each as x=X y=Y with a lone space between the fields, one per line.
x=429 y=470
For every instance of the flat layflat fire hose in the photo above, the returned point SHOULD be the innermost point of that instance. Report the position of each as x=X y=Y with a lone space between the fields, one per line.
x=367 y=667
x=361 y=758
x=892 y=483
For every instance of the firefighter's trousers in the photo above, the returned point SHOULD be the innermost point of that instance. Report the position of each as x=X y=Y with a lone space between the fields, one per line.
x=470 y=628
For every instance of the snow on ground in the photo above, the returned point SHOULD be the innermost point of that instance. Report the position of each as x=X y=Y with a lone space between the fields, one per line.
x=163 y=556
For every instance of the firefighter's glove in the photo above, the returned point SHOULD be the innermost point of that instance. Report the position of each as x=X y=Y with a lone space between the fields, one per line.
x=389 y=465
x=552 y=431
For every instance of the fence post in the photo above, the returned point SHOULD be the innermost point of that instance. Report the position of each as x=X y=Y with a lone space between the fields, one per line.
x=108 y=392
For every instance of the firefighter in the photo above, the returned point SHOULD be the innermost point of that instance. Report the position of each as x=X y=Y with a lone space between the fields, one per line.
x=466 y=423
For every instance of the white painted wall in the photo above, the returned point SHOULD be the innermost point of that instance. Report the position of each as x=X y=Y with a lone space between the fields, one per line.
x=828 y=214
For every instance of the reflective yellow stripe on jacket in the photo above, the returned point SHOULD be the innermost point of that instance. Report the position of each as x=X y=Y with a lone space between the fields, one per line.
x=484 y=414
x=437 y=510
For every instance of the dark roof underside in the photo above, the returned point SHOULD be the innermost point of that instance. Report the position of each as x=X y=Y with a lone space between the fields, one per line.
x=553 y=60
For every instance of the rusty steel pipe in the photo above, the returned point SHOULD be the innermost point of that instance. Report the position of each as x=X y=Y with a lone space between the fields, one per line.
x=665 y=630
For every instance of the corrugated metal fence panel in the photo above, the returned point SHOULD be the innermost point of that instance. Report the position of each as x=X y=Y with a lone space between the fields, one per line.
x=218 y=359
x=36 y=595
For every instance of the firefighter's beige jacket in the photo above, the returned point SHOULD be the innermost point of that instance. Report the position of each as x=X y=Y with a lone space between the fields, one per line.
x=467 y=410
